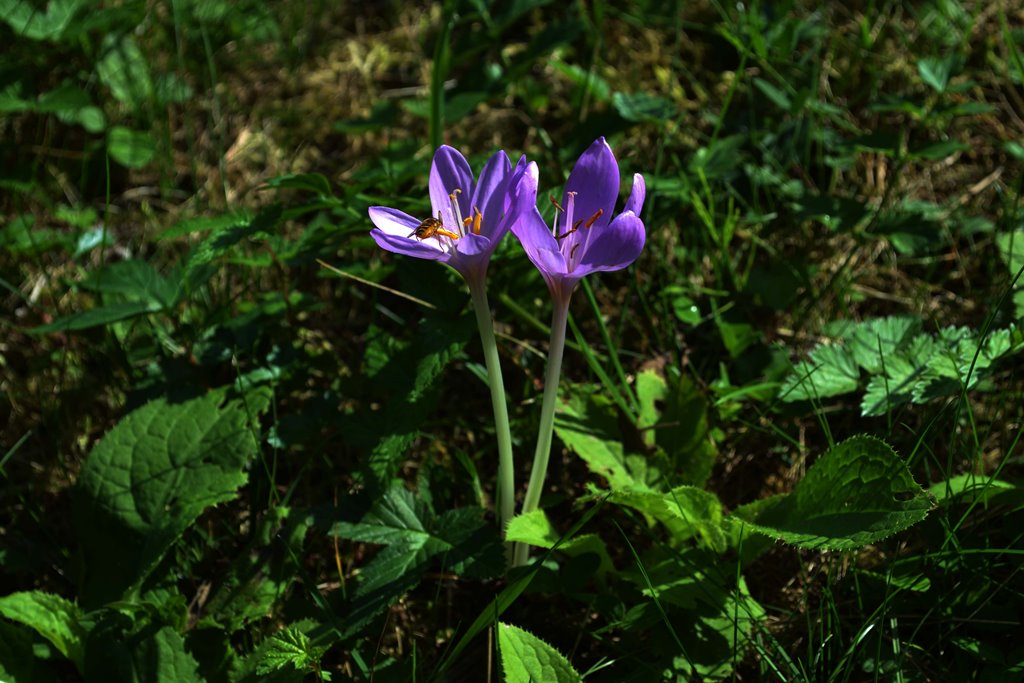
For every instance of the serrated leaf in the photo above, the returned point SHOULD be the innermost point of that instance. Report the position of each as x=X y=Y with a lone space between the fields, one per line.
x=148 y=479
x=414 y=537
x=288 y=646
x=51 y=616
x=831 y=371
x=859 y=492
x=525 y=658
x=874 y=341
x=533 y=528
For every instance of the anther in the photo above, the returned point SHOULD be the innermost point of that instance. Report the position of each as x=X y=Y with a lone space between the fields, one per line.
x=555 y=202
x=593 y=219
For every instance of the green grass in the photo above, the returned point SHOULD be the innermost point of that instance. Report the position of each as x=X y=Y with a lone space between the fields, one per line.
x=789 y=440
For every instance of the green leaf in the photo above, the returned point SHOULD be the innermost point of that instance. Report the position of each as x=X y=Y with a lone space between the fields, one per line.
x=936 y=71
x=685 y=511
x=525 y=658
x=141 y=656
x=875 y=340
x=133 y=279
x=26 y=19
x=831 y=371
x=859 y=492
x=124 y=70
x=533 y=528
x=587 y=425
x=148 y=479
x=414 y=536
x=643 y=107
x=94 y=317
x=778 y=97
x=51 y=616
x=130 y=148
x=674 y=419
x=288 y=646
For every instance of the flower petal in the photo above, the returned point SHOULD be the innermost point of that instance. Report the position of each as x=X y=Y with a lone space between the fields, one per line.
x=517 y=174
x=489 y=191
x=635 y=203
x=595 y=180
x=392 y=221
x=410 y=246
x=449 y=172
x=471 y=246
x=534 y=236
x=614 y=247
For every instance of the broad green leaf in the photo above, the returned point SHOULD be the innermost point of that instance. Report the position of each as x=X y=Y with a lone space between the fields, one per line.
x=28 y=19
x=587 y=425
x=859 y=492
x=970 y=486
x=831 y=371
x=133 y=279
x=101 y=315
x=124 y=70
x=525 y=658
x=685 y=511
x=148 y=479
x=51 y=616
x=131 y=148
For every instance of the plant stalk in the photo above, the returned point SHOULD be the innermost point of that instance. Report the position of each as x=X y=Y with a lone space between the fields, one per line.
x=556 y=347
x=506 y=494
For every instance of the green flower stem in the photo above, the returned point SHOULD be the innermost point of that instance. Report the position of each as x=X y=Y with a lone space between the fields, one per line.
x=556 y=347
x=506 y=494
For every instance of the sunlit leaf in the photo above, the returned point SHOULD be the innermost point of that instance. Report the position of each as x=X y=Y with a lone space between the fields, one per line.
x=525 y=658
x=859 y=492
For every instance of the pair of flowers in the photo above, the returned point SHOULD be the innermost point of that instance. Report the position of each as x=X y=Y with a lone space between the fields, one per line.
x=468 y=219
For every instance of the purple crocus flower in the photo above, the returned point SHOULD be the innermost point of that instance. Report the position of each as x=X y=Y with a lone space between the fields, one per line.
x=585 y=238
x=468 y=217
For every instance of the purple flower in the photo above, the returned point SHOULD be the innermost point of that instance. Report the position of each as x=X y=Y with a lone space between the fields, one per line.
x=585 y=238
x=468 y=217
